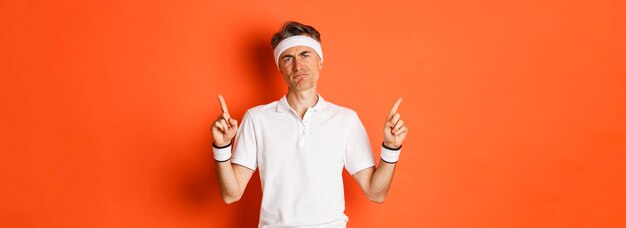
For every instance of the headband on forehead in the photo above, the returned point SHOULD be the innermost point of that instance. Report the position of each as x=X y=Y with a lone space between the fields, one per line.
x=297 y=41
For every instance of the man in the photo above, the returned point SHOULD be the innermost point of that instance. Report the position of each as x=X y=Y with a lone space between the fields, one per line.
x=301 y=143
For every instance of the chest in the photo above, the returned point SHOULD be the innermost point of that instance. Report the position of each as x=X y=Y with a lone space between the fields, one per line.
x=286 y=140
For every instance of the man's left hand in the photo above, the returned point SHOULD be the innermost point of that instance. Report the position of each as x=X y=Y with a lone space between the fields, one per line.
x=395 y=130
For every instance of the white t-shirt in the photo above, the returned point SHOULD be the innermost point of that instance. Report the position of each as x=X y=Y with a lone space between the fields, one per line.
x=301 y=161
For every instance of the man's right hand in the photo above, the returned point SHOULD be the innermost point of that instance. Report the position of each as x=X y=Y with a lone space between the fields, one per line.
x=224 y=128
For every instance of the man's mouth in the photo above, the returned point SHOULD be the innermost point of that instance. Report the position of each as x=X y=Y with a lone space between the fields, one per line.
x=298 y=76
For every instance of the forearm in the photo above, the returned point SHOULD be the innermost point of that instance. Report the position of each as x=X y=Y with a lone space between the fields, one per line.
x=382 y=176
x=227 y=179
x=226 y=174
x=381 y=179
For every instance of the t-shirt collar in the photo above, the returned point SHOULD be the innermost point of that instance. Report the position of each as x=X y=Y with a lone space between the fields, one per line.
x=283 y=106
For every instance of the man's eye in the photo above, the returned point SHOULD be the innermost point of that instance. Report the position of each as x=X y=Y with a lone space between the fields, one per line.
x=287 y=59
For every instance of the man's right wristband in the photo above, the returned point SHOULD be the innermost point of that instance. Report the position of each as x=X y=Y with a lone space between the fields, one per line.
x=222 y=153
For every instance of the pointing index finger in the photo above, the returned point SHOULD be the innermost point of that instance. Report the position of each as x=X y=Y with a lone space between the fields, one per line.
x=223 y=104
x=394 y=109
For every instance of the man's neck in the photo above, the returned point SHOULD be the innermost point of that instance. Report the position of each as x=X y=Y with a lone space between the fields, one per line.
x=300 y=101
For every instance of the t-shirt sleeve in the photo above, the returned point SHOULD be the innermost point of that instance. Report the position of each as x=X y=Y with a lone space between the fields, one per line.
x=245 y=151
x=359 y=150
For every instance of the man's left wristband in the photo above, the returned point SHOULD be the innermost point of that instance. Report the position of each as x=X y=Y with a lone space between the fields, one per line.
x=223 y=153
x=390 y=155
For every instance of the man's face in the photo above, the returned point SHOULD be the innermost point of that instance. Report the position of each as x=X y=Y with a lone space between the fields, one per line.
x=300 y=67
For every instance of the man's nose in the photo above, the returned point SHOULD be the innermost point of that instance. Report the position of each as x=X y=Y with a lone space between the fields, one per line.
x=297 y=64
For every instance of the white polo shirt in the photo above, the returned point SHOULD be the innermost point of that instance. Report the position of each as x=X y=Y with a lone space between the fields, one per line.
x=301 y=160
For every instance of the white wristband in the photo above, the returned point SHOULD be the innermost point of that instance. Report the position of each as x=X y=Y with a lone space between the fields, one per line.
x=222 y=154
x=390 y=155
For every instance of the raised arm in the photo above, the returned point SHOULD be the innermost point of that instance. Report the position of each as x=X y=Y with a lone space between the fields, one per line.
x=232 y=178
x=375 y=181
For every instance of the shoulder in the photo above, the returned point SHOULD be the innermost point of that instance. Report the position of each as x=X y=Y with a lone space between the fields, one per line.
x=261 y=110
x=340 y=110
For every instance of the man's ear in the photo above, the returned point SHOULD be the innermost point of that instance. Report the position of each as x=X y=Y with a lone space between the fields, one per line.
x=321 y=63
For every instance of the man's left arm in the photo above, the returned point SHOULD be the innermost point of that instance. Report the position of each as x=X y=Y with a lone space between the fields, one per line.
x=375 y=181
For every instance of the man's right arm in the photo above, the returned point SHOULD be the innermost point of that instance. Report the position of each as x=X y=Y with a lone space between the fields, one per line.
x=232 y=178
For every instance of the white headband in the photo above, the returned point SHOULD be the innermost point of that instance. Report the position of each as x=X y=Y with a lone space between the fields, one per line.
x=297 y=41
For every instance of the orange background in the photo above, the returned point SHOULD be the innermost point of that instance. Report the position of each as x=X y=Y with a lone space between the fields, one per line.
x=517 y=109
